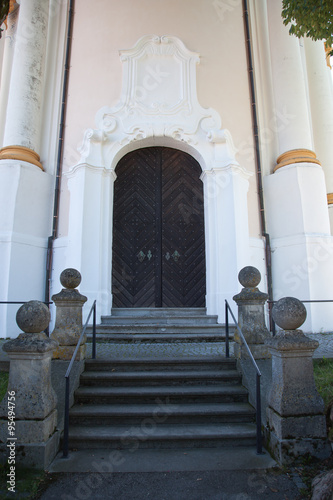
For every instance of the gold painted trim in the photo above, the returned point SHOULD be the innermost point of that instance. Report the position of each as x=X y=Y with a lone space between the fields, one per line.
x=328 y=50
x=296 y=156
x=20 y=153
x=330 y=198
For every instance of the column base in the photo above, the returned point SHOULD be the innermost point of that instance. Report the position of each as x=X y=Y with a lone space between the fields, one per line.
x=20 y=153
x=296 y=156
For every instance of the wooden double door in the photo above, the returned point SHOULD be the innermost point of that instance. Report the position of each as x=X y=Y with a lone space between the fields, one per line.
x=158 y=255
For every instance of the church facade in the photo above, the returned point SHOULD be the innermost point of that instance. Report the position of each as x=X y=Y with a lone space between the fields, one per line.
x=160 y=147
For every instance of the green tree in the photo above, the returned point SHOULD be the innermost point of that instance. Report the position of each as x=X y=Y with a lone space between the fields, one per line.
x=4 y=9
x=311 y=18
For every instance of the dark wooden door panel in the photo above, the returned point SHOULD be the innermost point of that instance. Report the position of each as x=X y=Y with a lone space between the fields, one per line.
x=158 y=232
x=183 y=273
x=134 y=231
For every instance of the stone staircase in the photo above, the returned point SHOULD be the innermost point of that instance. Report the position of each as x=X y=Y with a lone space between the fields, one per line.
x=156 y=325
x=161 y=402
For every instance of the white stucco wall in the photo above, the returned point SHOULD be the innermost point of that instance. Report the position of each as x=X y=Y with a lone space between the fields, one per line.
x=96 y=70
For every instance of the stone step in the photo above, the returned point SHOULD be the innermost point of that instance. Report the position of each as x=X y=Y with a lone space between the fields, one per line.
x=148 y=435
x=161 y=329
x=165 y=364
x=156 y=378
x=152 y=338
x=116 y=414
x=158 y=311
x=164 y=394
x=159 y=320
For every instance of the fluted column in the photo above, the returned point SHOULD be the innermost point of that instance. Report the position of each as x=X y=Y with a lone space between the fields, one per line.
x=23 y=117
x=294 y=135
x=321 y=101
x=7 y=63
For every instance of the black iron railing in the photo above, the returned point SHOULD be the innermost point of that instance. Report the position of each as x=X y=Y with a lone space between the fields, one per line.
x=66 y=414
x=258 y=373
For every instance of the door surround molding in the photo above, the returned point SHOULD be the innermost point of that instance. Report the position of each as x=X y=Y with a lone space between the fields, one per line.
x=158 y=107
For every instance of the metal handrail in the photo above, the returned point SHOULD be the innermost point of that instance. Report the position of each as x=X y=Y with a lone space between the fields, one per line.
x=66 y=412
x=21 y=302
x=258 y=374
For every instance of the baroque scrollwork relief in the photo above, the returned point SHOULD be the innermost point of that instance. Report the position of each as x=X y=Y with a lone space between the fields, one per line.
x=158 y=100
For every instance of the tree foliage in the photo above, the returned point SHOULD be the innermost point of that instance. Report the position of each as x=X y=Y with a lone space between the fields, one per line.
x=4 y=9
x=311 y=18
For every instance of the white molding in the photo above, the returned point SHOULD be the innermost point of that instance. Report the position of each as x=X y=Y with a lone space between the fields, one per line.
x=158 y=107
x=158 y=101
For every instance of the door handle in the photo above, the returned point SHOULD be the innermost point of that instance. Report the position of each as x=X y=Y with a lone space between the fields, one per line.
x=141 y=255
x=175 y=256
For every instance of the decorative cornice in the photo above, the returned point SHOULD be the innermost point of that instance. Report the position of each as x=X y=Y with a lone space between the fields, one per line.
x=330 y=198
x=20 y=153
x=93 y=168
x=296 y=156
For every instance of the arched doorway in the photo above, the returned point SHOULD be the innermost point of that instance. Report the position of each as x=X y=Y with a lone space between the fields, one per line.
x=158 y=254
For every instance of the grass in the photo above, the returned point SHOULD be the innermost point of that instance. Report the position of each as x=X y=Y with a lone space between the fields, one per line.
x=323 y=374
x=27 y=482
x=3 y=384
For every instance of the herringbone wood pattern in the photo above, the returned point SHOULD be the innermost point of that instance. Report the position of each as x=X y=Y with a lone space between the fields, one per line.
x=158 y=231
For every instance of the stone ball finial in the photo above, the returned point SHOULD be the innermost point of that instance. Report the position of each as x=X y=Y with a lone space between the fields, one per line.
x=289 y=313
x=249 y=277
x=70 y=278
x=33 y=317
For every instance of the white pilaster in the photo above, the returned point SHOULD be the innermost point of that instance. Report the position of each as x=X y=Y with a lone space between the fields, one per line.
x=226 y=234
x=90 y=232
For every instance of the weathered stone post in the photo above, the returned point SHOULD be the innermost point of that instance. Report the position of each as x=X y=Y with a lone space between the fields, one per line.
x=251 y=316
x=68 y=324
x=29 y=388
x=295 y=411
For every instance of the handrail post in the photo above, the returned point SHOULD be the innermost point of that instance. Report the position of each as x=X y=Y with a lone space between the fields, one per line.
x=94 y=332
x=66 y=419
x=226 y=331
x=258 y=416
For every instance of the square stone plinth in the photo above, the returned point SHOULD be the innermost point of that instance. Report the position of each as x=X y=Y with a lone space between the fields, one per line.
x=309 y=426
x=285 y=451
x=38 y=455
x=65 y=352
x=31 y=431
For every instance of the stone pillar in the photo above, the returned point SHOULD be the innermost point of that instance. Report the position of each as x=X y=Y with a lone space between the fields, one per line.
x=295 y=411
x=68 y=324
x=24 y=108
x=251 y=316
x=34 y=441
